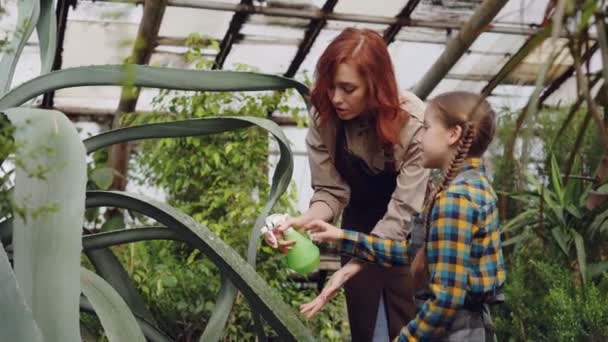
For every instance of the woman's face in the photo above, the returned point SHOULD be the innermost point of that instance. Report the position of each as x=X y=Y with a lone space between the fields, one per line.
x=348 y=92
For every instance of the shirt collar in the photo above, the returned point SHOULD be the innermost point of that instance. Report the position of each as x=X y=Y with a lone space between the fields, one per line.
x=473 y=164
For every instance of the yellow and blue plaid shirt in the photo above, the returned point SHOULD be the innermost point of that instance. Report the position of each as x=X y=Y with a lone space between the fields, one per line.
x=463 y=252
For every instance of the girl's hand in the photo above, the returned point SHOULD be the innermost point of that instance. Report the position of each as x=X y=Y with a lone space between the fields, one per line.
x=334 y=284
x=323 y=231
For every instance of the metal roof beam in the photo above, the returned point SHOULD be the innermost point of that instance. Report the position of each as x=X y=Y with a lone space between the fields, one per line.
x=406 y=12
x=236 y=23
x=360 y=18
x=458 y=46
x=312 y=32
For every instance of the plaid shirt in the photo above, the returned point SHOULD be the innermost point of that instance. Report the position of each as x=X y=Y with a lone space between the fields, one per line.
x=463 y=252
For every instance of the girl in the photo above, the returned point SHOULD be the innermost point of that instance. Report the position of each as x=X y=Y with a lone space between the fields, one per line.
x=364 y=154
x=462 y=260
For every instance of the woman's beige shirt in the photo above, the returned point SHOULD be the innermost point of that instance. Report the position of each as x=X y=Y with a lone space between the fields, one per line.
x=363 y=141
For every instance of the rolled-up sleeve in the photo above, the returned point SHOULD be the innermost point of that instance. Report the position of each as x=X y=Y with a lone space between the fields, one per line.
x=328 y=186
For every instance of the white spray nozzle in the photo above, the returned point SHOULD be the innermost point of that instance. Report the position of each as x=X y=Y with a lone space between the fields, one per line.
x=271 y=222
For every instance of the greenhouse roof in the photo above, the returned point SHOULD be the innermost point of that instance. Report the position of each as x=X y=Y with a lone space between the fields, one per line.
x=287 y=37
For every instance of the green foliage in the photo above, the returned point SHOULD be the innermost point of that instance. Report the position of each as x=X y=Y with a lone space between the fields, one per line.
x=546 y=138
x=545 y=303
x=221 y=181
x=180 y=291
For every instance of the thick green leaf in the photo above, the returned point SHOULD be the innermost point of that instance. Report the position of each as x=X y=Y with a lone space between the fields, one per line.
x=581 y=255
x=214 y=329
x=562 y=239
x=17 y=323
x=108 y=266
x=599 y=224
x=280 y=179
x=117 y=320
x=521 y=237
x=50 y=185
x=596 y=269
x=556 y=180
x=522 y=220
x=46 y=29
x=118 y=237
x=151 y=77
x=263 y=299
x=27 y=17
x=151 y=333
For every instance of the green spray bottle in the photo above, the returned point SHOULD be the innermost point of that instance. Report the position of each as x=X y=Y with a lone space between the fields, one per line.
x=304 y=256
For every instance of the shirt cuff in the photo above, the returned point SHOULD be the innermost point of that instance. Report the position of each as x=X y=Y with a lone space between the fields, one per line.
x=350 y=240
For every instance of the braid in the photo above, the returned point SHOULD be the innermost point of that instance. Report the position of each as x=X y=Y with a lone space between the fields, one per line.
x=420 y=264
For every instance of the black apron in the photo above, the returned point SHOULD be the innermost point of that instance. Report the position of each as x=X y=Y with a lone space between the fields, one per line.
x=370 y=195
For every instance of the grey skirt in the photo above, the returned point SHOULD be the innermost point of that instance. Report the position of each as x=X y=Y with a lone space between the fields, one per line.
x=471 y=326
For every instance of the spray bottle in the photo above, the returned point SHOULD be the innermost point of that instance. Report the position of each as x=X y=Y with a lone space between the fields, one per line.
x=304 y=256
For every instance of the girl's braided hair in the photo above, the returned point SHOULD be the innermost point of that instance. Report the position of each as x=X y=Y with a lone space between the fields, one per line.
x=477 y=120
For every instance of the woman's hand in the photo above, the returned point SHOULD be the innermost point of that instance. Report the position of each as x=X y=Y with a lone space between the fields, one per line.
x=285 y=245
x=323 y=231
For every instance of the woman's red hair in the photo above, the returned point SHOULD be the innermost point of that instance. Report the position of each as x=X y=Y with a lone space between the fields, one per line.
x=366 y=51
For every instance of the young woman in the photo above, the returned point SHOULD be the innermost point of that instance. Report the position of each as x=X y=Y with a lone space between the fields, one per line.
x=462 y=260
x=364 y=153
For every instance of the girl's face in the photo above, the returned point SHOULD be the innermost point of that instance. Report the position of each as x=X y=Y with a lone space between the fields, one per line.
x=348 y=92
x=439 y=142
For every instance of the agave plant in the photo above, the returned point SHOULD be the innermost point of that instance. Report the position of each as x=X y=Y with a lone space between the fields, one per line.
x=557 y=214
x=46 y=287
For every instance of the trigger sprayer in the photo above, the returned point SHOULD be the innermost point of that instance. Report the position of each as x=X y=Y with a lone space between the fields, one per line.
x=304 y=256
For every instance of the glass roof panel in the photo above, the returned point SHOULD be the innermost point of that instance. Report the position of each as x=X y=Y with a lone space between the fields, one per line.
x=181 y=21
x=452 y=85
x=267 y=58
x=522 y=12
x=389 y=8
x=412 y=61
x=308 y=66
x=423 y=35
x=453 y=10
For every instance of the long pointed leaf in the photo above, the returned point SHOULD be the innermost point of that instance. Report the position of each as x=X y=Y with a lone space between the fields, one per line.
x=117 y=320
x=556 y=180
x=50 y=184
x=145 y=76
x=17 y=323
x=280 y=179
x=596 y=269
x=46 y=29
x=28 y=12
x=524 y=219
x=151 y=333
x=562 y=241
x=108 y=266
x=262 y=298
x=217 y=322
